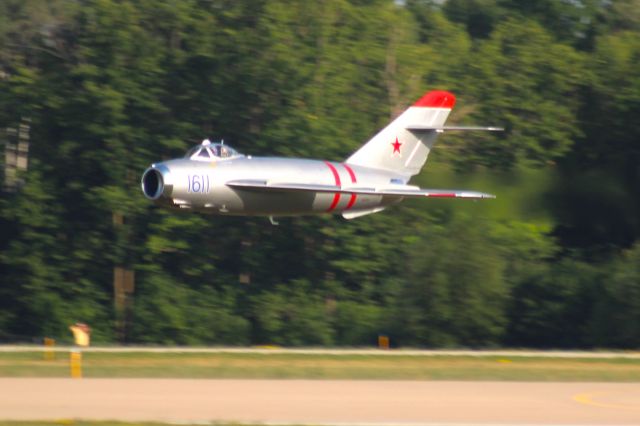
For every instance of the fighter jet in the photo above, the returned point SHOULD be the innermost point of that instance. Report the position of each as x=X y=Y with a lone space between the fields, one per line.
x=215 y=178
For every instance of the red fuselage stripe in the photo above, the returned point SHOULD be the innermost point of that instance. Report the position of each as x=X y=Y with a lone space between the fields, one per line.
x=352 y=200
x=336 y=196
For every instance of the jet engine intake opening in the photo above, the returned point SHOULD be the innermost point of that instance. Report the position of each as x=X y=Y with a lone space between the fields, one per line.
x=152 y=184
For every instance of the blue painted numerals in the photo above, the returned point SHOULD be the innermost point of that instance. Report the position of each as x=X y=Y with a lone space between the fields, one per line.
x=198 y=184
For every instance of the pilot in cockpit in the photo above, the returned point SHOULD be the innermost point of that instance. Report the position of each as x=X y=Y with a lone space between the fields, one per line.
x=207 y=151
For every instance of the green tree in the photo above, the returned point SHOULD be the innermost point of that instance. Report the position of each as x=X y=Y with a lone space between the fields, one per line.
x=524 y=80
x=596 y=203
x=617 y=308
x=454 y=293
x=552 y=307
x=168 y=312
x=110 y=86
x=478 y=16
x=292 y=315
x=43 y=295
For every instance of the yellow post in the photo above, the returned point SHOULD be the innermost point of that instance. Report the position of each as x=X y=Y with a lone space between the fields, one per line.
x=76 y=363
x=49 y=354
x=383 y=342
x=81 y=335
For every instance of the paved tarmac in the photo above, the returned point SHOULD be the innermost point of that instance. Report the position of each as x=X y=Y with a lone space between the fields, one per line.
x=322 y=402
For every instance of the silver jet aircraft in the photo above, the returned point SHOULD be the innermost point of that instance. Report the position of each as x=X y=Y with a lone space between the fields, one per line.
x=214 y=178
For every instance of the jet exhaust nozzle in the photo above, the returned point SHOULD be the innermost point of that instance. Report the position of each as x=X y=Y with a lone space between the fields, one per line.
x=156 y=182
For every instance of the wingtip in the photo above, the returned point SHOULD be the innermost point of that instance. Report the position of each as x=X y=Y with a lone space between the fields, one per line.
x=478 y=195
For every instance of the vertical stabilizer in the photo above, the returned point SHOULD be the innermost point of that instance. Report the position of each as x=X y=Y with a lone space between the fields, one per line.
x=402 y=150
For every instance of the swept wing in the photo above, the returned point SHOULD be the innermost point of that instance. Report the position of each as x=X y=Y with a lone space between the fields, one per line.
x=396 y=190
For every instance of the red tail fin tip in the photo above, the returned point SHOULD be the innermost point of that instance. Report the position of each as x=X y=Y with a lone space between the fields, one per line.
x=437 y=99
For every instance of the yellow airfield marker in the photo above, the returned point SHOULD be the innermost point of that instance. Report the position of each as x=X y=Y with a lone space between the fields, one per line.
x=383 y=342
x=75 y=361
x=49 y=354
x=81 y=335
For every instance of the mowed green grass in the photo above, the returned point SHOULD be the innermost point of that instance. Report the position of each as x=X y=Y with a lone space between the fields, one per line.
x=323 y=366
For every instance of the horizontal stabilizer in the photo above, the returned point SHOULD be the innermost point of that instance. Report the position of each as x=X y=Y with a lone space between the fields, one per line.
x=440 y=129
x=396 y=190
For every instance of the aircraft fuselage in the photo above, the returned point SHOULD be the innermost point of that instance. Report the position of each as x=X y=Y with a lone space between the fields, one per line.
x=201 y=186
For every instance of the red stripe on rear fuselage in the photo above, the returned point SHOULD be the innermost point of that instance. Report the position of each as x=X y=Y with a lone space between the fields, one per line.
x=352 y=201
x=336 y=176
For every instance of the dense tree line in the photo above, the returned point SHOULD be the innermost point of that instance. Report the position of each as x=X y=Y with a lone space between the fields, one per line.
x=109 y=86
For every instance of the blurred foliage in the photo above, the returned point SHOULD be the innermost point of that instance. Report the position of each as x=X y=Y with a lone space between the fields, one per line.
x=111 y=85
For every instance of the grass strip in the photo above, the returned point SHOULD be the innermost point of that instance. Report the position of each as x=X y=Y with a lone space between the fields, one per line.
x=297 y=366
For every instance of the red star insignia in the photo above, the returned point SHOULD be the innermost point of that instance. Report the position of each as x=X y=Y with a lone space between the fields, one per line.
x=396 y=146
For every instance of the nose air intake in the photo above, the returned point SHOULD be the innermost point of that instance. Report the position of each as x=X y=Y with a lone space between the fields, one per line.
x=152 y=184
x=155 y=183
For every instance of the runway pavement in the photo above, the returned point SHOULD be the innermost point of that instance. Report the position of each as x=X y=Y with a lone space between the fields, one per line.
x=330 y=402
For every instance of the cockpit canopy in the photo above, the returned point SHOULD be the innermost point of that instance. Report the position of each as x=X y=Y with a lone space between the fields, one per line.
x=208 y=151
